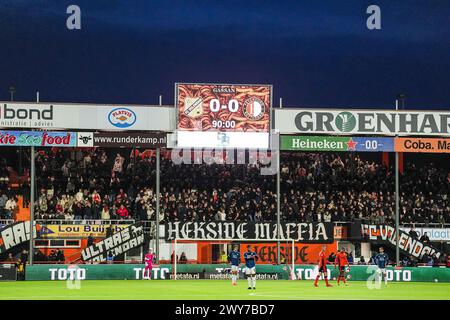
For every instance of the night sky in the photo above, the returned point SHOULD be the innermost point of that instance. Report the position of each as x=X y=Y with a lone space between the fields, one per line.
x=315 y=53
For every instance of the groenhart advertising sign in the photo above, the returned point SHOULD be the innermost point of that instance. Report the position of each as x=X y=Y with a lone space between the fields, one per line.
x=364 y=122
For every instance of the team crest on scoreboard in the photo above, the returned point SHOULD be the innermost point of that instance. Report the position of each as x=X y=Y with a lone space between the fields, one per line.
x=193 y=107
x=254 y=108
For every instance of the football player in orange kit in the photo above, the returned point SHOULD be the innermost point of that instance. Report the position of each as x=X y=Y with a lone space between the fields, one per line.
x=322 y=267
x=342 y=262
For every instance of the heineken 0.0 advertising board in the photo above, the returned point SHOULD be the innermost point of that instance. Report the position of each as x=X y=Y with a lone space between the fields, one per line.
x=330 y=143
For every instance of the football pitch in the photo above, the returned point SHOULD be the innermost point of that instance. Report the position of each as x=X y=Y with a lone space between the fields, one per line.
x=218 y=290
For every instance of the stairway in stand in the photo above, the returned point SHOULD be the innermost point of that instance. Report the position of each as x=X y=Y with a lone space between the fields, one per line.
x=22 y=214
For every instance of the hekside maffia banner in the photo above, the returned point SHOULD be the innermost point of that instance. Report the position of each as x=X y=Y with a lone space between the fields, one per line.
x=364 y=122
x=85 y=116
x=303 y=253
x=130 y=139
x=119 y=243
x=78 y=230
x=38 y=138
x=330 y=143
x=235 y=230
x=16 y=234
x=407 y=244
x=223 y=107
x=432 y=145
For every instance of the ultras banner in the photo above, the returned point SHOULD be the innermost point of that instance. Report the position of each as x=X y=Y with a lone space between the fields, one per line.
x=235 y=230
x=117 y=244
x=407 y=244
x=16 y=234
x=365 y=122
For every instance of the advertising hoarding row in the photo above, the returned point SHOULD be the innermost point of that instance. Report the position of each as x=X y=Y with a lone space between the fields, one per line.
x=364 y=144
x=81 y=139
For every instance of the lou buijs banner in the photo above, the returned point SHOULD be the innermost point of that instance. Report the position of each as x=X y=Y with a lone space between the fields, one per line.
x=78 y=230
x=119 y=243
x=364 y=122
x=234 y=230
x=38 y=138
x=85 y=116
x=330 y=143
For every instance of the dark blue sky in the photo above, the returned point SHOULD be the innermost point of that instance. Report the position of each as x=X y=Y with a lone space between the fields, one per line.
x=315 y=53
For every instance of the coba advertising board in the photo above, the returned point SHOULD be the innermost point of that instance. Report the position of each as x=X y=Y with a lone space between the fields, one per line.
x=223 y=115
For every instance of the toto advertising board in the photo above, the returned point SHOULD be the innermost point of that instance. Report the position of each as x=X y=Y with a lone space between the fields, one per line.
x=222 y=272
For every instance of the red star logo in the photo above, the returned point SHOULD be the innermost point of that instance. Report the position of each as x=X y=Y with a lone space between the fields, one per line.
x=351 y=145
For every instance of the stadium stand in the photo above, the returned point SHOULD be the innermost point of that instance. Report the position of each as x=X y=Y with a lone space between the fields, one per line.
x=76 y=184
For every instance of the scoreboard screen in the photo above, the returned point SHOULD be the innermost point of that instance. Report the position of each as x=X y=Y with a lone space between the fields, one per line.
x=223 y=115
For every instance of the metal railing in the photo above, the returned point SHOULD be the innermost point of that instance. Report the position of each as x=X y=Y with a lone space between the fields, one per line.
x=6 y=221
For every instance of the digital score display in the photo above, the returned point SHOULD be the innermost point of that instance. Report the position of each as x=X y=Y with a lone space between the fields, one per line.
x=223 y=115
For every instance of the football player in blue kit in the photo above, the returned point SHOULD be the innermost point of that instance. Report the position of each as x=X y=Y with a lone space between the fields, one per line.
x=234 y=258
x=250 y=257
x=381 y=260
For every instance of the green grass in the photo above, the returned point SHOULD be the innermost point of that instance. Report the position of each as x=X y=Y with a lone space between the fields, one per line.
x=218 y=290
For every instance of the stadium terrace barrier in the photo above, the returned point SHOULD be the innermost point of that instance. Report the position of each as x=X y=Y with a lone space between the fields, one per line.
x=208 y=271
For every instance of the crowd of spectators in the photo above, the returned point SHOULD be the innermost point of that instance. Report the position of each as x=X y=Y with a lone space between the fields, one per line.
x=98 y=184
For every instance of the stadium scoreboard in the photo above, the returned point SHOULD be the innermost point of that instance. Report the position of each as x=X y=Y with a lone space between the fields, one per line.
x=223 y=115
